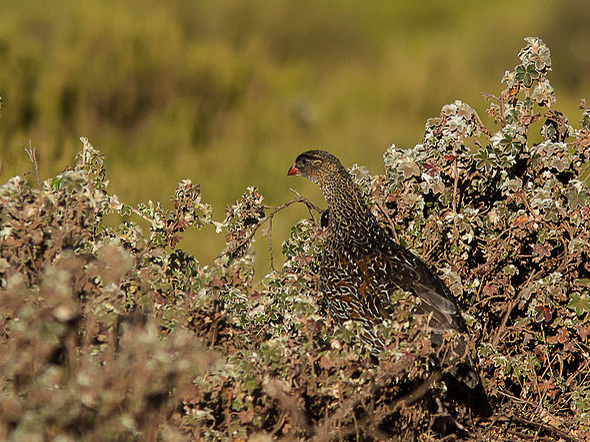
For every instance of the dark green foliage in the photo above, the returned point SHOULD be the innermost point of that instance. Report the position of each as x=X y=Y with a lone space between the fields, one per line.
x=110 y=334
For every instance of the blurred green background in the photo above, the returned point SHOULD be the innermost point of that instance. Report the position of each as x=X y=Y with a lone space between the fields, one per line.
x=228 y=92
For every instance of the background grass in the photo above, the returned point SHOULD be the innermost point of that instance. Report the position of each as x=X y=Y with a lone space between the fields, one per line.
x=227 y=93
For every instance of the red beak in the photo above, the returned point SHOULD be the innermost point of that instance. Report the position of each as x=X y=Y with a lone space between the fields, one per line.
x=293 y=170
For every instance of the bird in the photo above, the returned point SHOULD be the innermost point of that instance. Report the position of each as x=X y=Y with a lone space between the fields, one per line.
x=363 y=266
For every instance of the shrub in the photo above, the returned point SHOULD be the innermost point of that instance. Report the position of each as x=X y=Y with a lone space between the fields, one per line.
x=110 y=334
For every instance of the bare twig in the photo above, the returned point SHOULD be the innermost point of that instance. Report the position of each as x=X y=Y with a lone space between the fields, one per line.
x=332 y=424
x=509 y=308
x=152 y=221
x=85 y=144
x=455 y=183
x=417 y=394
x=547 y=428
x=500 y=331
x=512 y=397
x=290 y=405
x=534 y=437
x=275 y=209
x=272 y=261
x=309 y=205
x=31 y=152
x=481 y=125
x=429 y=244
x=391 y=224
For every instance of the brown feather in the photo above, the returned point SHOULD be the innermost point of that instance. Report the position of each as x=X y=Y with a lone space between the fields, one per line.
x=363 y=266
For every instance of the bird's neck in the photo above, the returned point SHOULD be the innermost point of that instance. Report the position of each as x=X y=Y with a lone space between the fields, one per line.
x=350 y=217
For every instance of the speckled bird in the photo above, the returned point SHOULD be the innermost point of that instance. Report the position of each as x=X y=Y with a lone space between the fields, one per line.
x=363 y=265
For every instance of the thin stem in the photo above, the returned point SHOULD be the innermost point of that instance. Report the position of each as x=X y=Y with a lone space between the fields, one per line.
x=275 y=209
x=31 y=152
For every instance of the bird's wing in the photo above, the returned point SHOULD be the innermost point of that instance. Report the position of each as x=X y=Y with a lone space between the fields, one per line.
x=410 y=273
x=359 y=284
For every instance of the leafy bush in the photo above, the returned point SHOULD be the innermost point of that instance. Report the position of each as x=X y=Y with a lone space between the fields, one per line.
x=109 y=334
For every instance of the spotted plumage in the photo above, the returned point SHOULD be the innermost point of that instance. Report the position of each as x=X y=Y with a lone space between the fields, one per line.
x=363 y=266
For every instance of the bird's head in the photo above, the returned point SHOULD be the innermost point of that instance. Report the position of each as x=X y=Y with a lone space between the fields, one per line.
x=315 y=165
x=345 y=201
